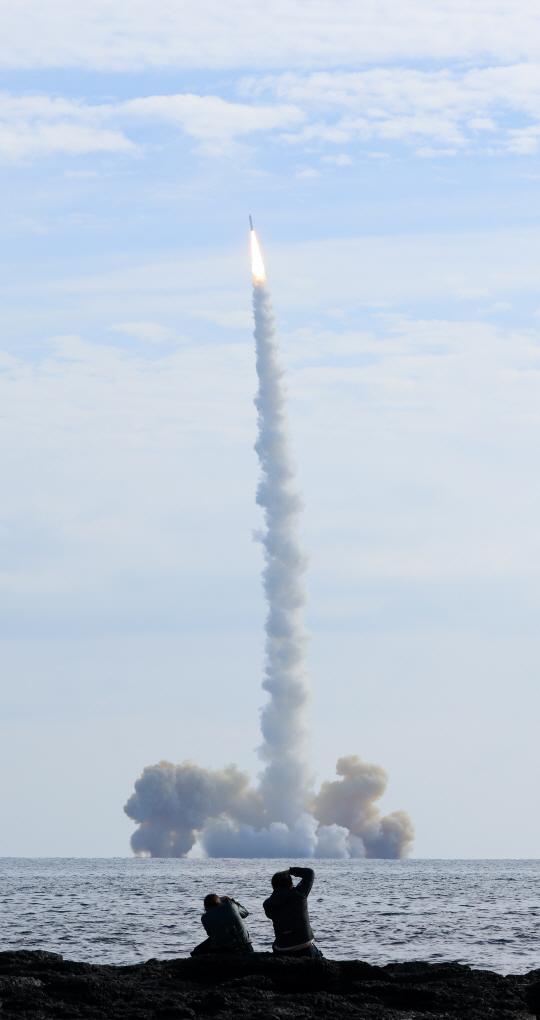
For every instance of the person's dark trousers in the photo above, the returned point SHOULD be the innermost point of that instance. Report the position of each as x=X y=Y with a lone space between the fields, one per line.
x=312 y=951
x=205 y=948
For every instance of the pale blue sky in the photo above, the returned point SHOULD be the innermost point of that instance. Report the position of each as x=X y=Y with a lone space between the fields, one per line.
x=389 y=157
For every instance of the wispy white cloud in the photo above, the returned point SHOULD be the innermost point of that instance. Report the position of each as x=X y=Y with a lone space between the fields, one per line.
x=435 y=112
x=211 y=120
x=39 y=125
x=452 y=109
x=342 y=159
x=307 y=173
x=404 y=90
x=151 y=331
x=108 y=34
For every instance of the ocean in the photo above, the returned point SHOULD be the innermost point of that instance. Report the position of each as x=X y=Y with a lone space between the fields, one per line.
x=125 y=910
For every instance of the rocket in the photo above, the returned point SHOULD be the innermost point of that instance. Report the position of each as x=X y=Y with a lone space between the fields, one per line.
x=250 y=223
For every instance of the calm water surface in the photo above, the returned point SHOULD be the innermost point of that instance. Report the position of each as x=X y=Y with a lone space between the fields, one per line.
x=485 y=913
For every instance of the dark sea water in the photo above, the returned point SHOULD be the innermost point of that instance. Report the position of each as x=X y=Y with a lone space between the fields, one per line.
x=485 y=913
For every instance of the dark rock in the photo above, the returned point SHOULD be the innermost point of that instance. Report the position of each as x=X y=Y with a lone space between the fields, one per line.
x=43 y=986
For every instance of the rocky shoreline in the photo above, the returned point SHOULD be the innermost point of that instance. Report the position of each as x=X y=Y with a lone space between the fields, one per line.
x=44 y=985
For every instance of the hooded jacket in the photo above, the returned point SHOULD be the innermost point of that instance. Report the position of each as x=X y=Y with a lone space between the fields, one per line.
x=224 y=925
x=288 y=910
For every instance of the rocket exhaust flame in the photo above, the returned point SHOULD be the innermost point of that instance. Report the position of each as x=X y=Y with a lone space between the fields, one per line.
x=257 y=264
x=178 y=806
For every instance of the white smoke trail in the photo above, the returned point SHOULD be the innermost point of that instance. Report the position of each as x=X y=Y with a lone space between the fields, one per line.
x=179 y=806
x=286 y=780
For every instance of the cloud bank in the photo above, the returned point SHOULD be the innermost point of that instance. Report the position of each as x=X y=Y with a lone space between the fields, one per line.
x=486 y=109
x=135 y=35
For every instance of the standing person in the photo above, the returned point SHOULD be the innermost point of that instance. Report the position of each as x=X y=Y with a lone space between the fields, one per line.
x=288 y=910
x=223 y=922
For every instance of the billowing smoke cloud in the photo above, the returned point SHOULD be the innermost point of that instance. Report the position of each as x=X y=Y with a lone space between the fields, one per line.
x=180 y=806
x=177 y=806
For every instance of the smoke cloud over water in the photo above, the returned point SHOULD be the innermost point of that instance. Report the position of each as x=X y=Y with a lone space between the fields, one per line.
x=179 y=808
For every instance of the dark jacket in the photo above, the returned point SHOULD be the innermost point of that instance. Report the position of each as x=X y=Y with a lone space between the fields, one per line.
x=224 y=925
x=287 y=909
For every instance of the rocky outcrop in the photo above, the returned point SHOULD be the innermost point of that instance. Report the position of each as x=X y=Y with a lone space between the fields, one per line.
x=42 y=985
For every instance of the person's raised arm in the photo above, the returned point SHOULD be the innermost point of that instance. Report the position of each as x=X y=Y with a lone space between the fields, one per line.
x=307 y=875
x=241 y=910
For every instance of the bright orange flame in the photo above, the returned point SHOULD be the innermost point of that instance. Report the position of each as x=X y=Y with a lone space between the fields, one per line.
x=257 y=264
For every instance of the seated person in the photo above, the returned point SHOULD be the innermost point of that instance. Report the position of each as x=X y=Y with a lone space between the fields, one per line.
x=224 y=925
x=287 y=908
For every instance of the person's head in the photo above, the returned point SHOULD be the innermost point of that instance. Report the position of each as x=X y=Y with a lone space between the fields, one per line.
x=282 y=880
x=211 y=901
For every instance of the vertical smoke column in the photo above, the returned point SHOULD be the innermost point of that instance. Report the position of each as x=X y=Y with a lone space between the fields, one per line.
x=179 y=806
x=286 y=780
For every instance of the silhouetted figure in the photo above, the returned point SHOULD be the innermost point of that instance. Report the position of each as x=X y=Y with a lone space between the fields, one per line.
x=224 y=925
x=288 y=910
